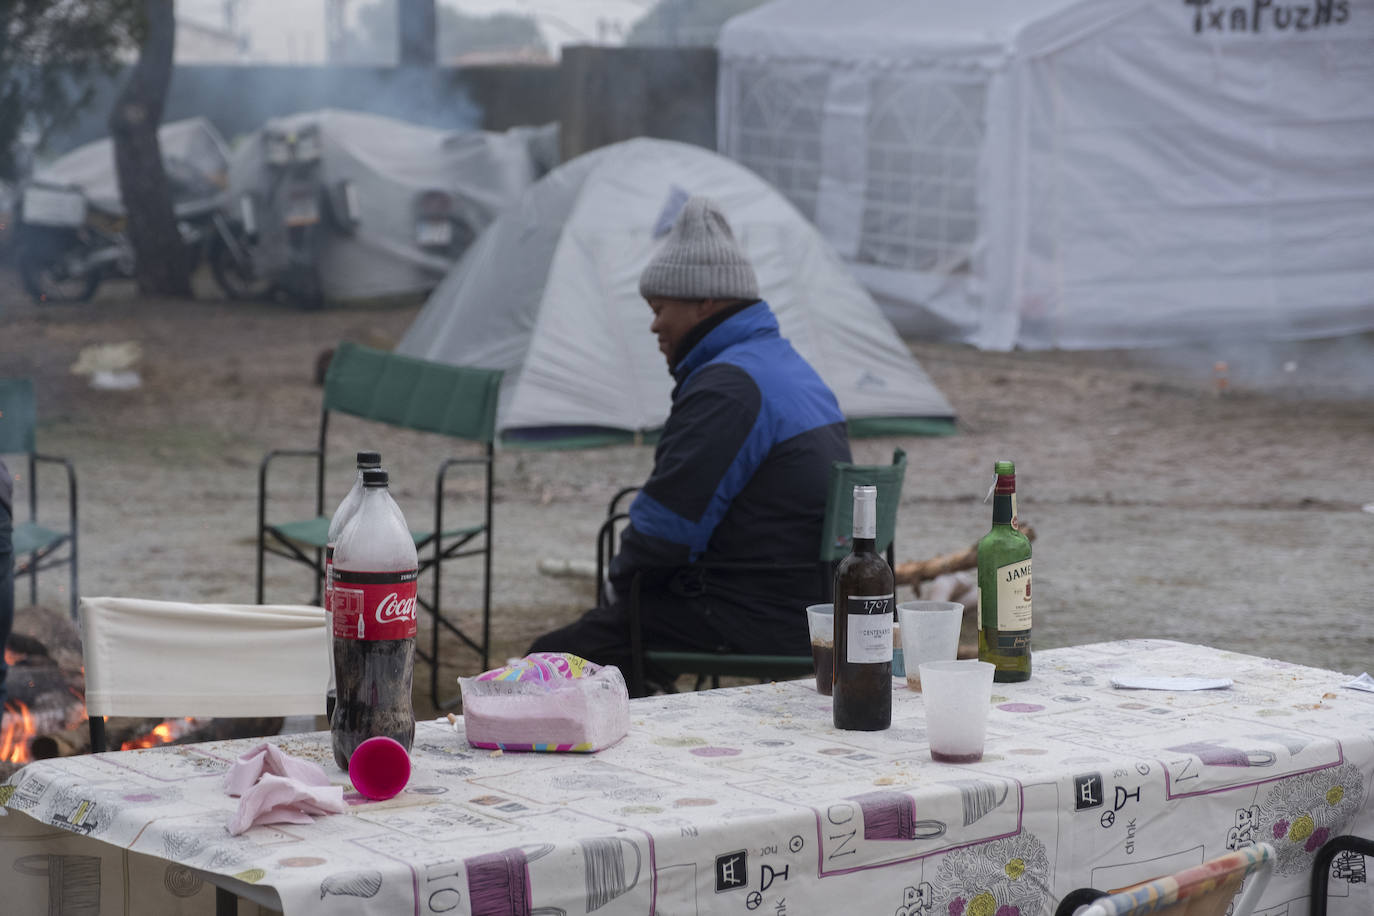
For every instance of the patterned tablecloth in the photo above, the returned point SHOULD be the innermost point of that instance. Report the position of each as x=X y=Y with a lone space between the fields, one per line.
x=748 y=800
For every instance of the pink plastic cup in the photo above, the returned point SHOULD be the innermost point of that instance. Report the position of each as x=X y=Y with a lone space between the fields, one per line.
x=379 y=768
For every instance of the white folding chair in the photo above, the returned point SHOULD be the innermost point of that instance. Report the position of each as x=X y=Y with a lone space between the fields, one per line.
x=170 y=659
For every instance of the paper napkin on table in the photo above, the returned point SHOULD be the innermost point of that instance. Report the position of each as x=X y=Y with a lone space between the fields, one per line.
x=1156 y=682
x=276 y=788
x=1363 y=682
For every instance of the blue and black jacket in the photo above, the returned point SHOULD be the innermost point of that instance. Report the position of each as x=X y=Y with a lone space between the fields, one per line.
x=740 y=475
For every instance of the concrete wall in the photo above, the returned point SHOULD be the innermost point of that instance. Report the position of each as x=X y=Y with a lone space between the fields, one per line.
x=601 y=95
x=613 y=94
x=239 y=98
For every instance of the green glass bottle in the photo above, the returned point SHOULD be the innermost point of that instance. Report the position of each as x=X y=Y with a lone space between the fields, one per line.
x=1004 y=586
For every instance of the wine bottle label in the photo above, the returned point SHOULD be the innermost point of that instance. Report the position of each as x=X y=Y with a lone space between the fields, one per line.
x=1014 y=596
x=870 y=629
x=374 y=605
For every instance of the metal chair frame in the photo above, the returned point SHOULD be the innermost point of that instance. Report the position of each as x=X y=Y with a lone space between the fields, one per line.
x=435 y=548
x=36 y=548
x=1321 y=865
x=717 y=664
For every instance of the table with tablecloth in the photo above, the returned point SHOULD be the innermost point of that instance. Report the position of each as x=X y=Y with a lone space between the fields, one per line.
x=747 y=800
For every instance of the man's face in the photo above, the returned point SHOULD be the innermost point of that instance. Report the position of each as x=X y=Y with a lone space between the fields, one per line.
x=673 y=318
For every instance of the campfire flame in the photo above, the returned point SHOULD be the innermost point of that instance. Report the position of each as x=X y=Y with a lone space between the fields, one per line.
x=16 y=729
x=162 y=733
x=18 y=726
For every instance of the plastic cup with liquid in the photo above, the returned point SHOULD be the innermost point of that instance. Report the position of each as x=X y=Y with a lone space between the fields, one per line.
x=930 y=633
x=956 y=695
x=820 y=618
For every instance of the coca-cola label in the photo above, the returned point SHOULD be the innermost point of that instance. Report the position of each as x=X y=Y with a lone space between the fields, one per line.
x=374 y=605
x=329 y=579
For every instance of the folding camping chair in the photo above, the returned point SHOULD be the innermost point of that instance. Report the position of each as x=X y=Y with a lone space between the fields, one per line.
x=836 y=541
x=409 y=393
x=164 y=659
x=1203 y=890
x=36 y=546
x=1347 y=848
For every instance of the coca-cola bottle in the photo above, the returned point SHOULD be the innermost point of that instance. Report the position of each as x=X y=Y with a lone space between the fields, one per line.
x=374 y=575
x=366 y=460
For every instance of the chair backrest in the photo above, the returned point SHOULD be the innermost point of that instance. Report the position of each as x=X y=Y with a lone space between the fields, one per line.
x=838 y=535
x=18 y=416
x=413 y=393
x=168 y=658
x=1203 y=890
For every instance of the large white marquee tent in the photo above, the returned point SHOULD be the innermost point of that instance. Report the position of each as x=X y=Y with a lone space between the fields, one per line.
x=1074 y=173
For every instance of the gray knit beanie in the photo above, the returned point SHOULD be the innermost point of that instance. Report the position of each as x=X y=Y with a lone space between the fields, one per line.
x=700 y=259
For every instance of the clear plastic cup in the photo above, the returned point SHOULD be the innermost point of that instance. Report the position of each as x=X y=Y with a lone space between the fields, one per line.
x=821 y=620
x=956 y=695
x=930 y=633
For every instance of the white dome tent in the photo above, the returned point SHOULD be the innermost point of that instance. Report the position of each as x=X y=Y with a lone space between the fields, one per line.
x=1073 y=173
x=549 y=294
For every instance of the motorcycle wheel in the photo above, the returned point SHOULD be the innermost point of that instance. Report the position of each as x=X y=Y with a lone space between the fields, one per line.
x=309 y=295
x=42 y=268
x=240 y=282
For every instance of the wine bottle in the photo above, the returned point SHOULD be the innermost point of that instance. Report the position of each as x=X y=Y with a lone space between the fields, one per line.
x=862 y=693
x=1004 y=585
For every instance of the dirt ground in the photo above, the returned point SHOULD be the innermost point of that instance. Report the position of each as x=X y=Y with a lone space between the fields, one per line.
x=1243 y=520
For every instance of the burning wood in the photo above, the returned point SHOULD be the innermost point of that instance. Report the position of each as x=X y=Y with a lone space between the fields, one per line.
x=163 y=733
x=15 y=732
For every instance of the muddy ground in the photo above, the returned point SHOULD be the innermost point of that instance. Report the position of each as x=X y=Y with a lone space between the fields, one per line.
x=1243 y=520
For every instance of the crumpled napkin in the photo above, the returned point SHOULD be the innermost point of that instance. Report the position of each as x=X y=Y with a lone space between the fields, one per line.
x=276 y=788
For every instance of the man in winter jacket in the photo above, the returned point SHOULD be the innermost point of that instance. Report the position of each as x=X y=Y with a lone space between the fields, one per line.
x=740 y=472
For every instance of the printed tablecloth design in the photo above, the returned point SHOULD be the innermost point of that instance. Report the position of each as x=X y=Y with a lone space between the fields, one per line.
x=747 y=800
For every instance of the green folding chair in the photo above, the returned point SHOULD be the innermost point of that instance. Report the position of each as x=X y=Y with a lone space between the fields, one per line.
x=836 y=542
x=36 y=546
x=408 y=393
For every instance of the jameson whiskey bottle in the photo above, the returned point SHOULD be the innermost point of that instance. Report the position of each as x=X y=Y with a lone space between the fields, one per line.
x=1004 y=586
x=862 y=694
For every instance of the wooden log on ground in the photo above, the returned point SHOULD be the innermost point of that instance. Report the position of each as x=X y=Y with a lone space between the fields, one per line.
x=69 y=743
x=915 y=573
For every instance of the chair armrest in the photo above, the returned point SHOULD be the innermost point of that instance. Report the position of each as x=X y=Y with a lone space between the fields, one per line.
x=756 y=567
x=637 y=684
x=614 y=507
x=262 y=477
x=441 y=476
x=605 y=552
x=71 y=471
x=71 y=488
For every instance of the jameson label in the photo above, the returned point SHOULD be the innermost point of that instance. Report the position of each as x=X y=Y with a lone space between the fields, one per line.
x=374 y=605
x=1014 y=596
x=870 y=629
